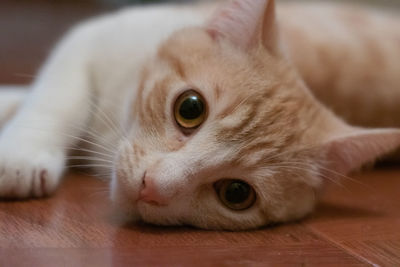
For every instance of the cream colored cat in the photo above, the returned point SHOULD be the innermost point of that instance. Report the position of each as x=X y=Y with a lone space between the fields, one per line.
x=205 y=120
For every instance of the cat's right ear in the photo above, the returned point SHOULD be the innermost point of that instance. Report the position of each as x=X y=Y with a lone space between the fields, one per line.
x=350 y=151
x=247 y=24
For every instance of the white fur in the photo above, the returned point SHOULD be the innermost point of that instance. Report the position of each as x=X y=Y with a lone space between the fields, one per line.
x=95 y=65
x=11 y=98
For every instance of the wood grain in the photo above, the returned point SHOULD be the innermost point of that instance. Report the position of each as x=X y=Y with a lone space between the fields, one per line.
x=78 y=226
x=356 y=224
x=363 y=219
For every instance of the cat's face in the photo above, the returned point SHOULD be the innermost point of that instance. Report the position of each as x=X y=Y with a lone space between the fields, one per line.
x=224 y=133
x=218 y=134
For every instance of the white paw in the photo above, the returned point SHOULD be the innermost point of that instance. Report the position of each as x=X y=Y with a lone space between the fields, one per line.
x=27 y=170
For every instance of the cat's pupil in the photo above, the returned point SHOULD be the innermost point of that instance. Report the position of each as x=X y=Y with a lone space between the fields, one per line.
x=237 y=192
x=191 y=108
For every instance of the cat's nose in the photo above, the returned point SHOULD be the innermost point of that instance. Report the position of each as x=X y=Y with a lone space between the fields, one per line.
x=150 y=193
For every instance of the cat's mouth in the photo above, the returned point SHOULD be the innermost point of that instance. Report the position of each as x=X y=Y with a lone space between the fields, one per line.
x=148 y=201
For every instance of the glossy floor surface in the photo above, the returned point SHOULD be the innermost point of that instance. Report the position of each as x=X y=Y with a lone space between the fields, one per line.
x=356 y=224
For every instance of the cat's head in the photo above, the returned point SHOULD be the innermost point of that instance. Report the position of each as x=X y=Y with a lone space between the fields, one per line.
x=226 y=135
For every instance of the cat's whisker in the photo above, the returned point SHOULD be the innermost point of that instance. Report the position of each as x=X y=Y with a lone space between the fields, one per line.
x=118 y=131
x=72 y=137
x=89 y=142
x=107 y=156
x=307 y=166
x=310 y=167
x=325 y=176
x=314 y=172
x=244 y=100
x=80 y=128
x=107 y=167
x=86 y=130
x=345 y=177
x=289 y=152
x=89 y=165
x=88 y=158
x=97 y=137
x=335 y=173
x=320 y=164
x=106 y=175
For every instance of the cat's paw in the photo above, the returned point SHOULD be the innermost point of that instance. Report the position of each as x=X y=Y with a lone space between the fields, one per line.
x=28 y=171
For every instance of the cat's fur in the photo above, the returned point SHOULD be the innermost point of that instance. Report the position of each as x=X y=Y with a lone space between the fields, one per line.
x=111 y=84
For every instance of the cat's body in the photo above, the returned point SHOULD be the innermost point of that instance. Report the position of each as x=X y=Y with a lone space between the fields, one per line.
x=110 y=83
x=348 y=57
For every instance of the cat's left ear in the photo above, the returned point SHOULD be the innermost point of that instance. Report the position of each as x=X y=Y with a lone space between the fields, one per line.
x=247 y=23
x=350 y=151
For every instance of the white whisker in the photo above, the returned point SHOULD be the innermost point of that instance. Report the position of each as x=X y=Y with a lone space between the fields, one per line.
x=89 y=165
x=88 y=158
x=74 y=137
x=108 y=156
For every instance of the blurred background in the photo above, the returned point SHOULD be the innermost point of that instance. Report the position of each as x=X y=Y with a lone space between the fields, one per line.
x=30 y=28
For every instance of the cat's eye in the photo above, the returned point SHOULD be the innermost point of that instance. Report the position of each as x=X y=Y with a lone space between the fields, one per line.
x=190 y=110
x=235 y=194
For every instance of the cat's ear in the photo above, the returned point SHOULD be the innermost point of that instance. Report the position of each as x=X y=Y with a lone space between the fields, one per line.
x=247 y=23
x=347 y=152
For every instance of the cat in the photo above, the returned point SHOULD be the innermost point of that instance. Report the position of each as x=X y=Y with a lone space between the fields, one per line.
x=210 y=118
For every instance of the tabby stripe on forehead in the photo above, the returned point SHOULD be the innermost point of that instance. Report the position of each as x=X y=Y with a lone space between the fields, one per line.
x=150 y=111
x=231 y=108
x=242 y=100
x=174 y=62
x=269 y=146
x=154 y=107
x=139 y=98
x=250 y=149
x=246 y=124
x=161 y=94
x=217 y=92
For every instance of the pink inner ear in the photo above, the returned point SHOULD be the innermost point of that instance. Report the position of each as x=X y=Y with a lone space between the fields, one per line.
x=239 y=21
x=350 y=152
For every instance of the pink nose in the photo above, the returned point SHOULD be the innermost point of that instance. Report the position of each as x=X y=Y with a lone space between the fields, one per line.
x=150 y=194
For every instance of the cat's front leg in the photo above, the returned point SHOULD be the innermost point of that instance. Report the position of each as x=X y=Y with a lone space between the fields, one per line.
x=33 y=144
x=30 y=165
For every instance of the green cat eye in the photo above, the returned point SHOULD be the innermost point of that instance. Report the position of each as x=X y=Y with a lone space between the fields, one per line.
x=190 y=110
x=235 y=194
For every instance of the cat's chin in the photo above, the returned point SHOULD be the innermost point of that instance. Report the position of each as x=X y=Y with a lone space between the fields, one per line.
x=169 y=216
x=158 y=215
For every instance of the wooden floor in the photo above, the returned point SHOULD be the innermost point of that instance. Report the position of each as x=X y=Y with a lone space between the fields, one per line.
x=356 y=224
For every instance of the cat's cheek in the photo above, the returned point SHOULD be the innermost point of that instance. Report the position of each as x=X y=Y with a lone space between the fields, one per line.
x=298 y=201
x=127 y=173
x=221 y=219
